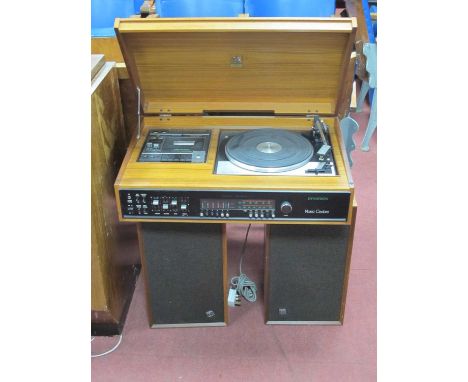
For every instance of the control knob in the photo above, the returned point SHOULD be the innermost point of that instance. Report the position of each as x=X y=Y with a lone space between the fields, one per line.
x=286 y=207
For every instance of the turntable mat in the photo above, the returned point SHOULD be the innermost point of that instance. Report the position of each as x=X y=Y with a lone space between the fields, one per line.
x=269 y=150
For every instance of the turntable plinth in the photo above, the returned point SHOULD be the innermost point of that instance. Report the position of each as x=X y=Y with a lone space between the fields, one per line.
x=200 y=176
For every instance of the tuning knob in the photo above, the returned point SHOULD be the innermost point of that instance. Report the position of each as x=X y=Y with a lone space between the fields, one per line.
x=286 y=207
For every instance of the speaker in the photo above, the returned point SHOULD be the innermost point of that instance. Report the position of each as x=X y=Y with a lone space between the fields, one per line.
x=306 y=273
x=185 y=270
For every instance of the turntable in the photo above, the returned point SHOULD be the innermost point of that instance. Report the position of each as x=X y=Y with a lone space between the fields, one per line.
x=273 y=152
x=264 y=95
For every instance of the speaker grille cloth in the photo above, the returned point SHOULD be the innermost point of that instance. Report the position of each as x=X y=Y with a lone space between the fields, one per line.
x=306 y=272
x=184 y=267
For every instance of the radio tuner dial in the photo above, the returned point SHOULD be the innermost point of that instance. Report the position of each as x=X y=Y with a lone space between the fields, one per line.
x=286 y=207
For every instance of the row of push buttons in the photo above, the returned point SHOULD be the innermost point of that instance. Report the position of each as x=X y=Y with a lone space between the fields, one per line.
x=165 y=205
x=215 y=214
x=252 y=214
x=260 y=214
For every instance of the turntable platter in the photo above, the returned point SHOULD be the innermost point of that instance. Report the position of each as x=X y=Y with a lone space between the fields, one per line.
x=269 y=150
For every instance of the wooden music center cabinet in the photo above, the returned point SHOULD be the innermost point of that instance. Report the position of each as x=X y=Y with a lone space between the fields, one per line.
x=238 y=123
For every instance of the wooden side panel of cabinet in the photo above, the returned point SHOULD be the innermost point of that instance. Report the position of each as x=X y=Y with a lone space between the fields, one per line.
x=114 y=248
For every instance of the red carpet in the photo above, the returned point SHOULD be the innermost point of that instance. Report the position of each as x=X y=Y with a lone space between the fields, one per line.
x=248 y=350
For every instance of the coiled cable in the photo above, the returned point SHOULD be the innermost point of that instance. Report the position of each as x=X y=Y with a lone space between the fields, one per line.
x=243 y=285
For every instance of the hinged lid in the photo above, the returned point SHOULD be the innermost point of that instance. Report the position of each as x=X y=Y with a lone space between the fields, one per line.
x=271 y=65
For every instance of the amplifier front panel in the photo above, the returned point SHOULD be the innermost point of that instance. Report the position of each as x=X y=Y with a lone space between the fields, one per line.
x=322 y=206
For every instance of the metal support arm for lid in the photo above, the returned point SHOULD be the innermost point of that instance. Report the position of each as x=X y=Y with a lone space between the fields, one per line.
x=138 y=112
x=349 y=127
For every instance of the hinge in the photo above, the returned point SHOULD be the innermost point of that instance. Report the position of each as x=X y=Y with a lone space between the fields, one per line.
x=138 y=112
x=165 y=115
x=312 y=116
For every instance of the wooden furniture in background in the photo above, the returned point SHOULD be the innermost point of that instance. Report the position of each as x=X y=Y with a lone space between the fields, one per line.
x=97 y=62
x=109 y=47
x=114 y=247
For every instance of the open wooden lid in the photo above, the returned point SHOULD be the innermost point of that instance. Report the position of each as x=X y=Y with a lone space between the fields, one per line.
x=270 y=65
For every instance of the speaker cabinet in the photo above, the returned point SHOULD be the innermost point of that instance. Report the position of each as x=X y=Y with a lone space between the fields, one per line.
x=306 y=269
x=185 y=269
